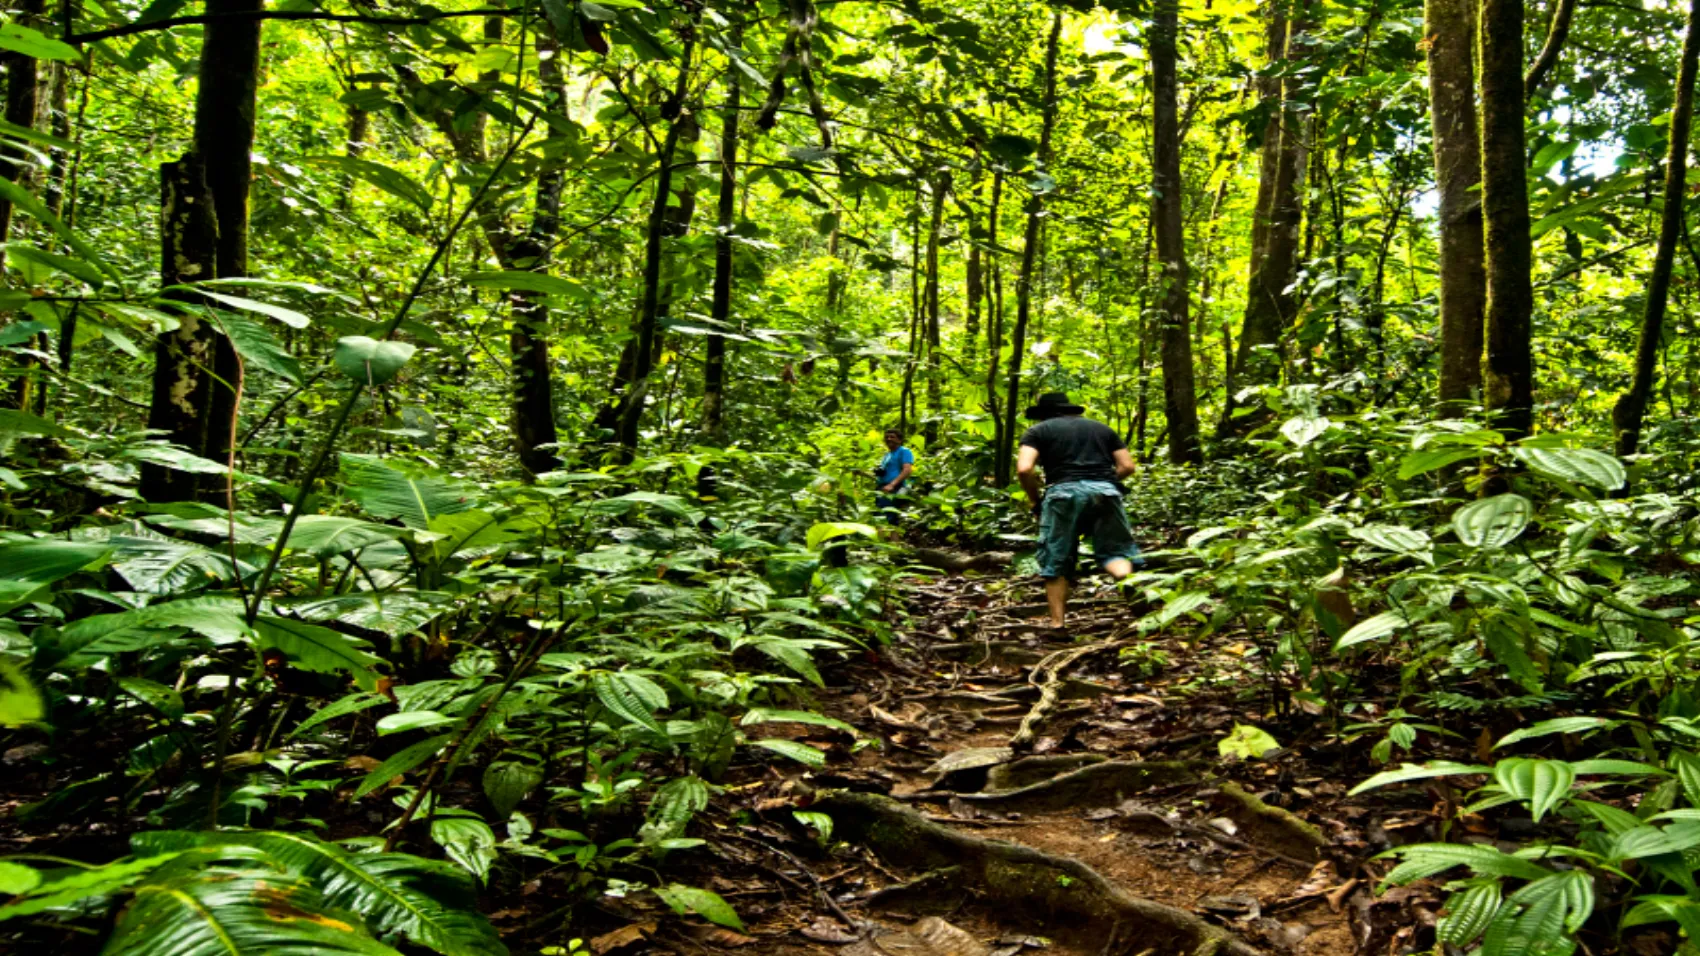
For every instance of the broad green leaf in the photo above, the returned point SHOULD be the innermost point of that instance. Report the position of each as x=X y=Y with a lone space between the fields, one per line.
x=674 y=805
x=319 y=649
x=83 y=884
x=828 y=530
x=1581 y=466
x=386 y=492
x=506 y=783
x=467 y=841
x=401 y=762
x=26 y=201
x=821 y=822
x=393 y=181
x=1542 y=784
x=17 y=879
x=1492 y=522
x=14 y=422
x=1375 y=628
x=537 y=282
x=29 y=565
x=258 y=347
x=289 y=317
x=632 y=696
x=167 y=701
x=1395 y=538
x=1422 y=860
x=1467 y=914
x=53 y=261
x=351 y=704
x=32 y=43
x=224 y=913
x=324 y=536
x=370 y=361
x=1247 y=743
x=161 y=565
x=761 y=715
x=414 y=720
x=1432 y=459
x=704 y=903
x=20 y=702
x=394 y=612
x=800 y=752
x=1305 y=429
x=1648 y=841
x=429 y=902
x=1558 y=725
x=1408 y=772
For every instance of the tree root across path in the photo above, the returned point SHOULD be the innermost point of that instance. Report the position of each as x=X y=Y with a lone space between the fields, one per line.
x=1023 y=882
x=1097 y=784
x=1048 y=678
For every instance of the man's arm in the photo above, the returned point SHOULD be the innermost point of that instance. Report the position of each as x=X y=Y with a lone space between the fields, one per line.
x=1125 y=465
x=902 y=476
x=1027 y=470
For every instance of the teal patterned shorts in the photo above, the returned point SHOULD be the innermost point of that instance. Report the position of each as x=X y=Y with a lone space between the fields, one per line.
x=1074 y=509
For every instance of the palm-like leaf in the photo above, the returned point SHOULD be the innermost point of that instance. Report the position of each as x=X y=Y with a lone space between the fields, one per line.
x=433 y=904
x=223 y=912
x=388 y=493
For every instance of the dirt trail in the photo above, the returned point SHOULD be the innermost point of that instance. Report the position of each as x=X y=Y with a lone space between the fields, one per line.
x=1121 y=774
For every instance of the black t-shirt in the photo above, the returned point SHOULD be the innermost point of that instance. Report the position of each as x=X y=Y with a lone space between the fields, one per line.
x=1075 y=449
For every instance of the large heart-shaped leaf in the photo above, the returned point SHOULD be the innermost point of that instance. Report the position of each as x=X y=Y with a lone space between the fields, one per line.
x=1542 y=784
x=1580 y=466
x=370 y=361
x=1493 y=522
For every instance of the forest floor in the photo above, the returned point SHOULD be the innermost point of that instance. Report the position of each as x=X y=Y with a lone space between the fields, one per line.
x=1123 y=775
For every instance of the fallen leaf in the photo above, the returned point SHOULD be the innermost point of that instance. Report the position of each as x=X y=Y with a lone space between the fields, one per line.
x=362 y=762
x=622 y=937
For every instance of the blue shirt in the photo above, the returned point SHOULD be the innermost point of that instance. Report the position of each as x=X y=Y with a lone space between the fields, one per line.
x=892 y=465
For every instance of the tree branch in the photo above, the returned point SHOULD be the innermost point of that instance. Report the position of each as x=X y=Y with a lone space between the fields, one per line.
x=201 y=19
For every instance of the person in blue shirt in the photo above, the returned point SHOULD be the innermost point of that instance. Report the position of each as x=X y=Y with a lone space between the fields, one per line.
x=894 y=469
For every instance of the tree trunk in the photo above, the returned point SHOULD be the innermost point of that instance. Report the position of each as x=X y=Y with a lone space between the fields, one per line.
x=528 y=343
x=1451 y=29
x=935 y=369
x=1558 y=30
x=183 y=357
x=994 y=325
x=1276 y=235
x=22 y=82
x=1631 y=409
x=1180 y=403
x=1509 y=374
x=720 y=308
x=1029 y=255
x=973 y=280
x=646 y=328
x=224 y=141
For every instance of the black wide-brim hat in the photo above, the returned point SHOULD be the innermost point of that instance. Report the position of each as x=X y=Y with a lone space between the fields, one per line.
x=1052 y=404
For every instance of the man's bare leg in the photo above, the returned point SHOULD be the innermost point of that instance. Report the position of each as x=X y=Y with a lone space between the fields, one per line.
x=1118 y=568
x=1056 y=595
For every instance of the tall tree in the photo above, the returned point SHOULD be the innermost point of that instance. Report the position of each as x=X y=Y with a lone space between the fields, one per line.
x=1270 y=306
x=224 y=141
x=1510 y=370
x=720 y=306
x=22 y=85
x=1029 y=258
x=1631 y=408
x=1180 y=404
x=1451 y=29
x=935 y=369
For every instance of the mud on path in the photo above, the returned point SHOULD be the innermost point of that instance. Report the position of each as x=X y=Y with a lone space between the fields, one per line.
x=1112 y=826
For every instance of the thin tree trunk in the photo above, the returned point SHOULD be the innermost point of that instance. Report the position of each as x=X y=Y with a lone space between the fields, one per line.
x=1180 y=403
x=533 y=404
x=224 y=141
x=646 y=329
x=935 y=369
x=1276 y=235
x=1029 y=254
x=22 y=85
x=1509 y=374
x=720 y=309
x=1631 y=409
x=994 y=322
x=973 y=278
x=183 y=357
x=1451 y=28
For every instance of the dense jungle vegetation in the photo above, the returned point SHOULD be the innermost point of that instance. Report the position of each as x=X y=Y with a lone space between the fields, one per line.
x=435 y=494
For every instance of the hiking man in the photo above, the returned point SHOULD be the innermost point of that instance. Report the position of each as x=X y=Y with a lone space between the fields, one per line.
x=894 y=469
x=1084 y=462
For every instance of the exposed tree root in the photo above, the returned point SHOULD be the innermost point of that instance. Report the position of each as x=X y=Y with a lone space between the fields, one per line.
x=1094 y=785
x=1047 y=677
x=1273 y=827
x=1028 y=884
x=1031 y=770
x=958 y=563
x=979 y=653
